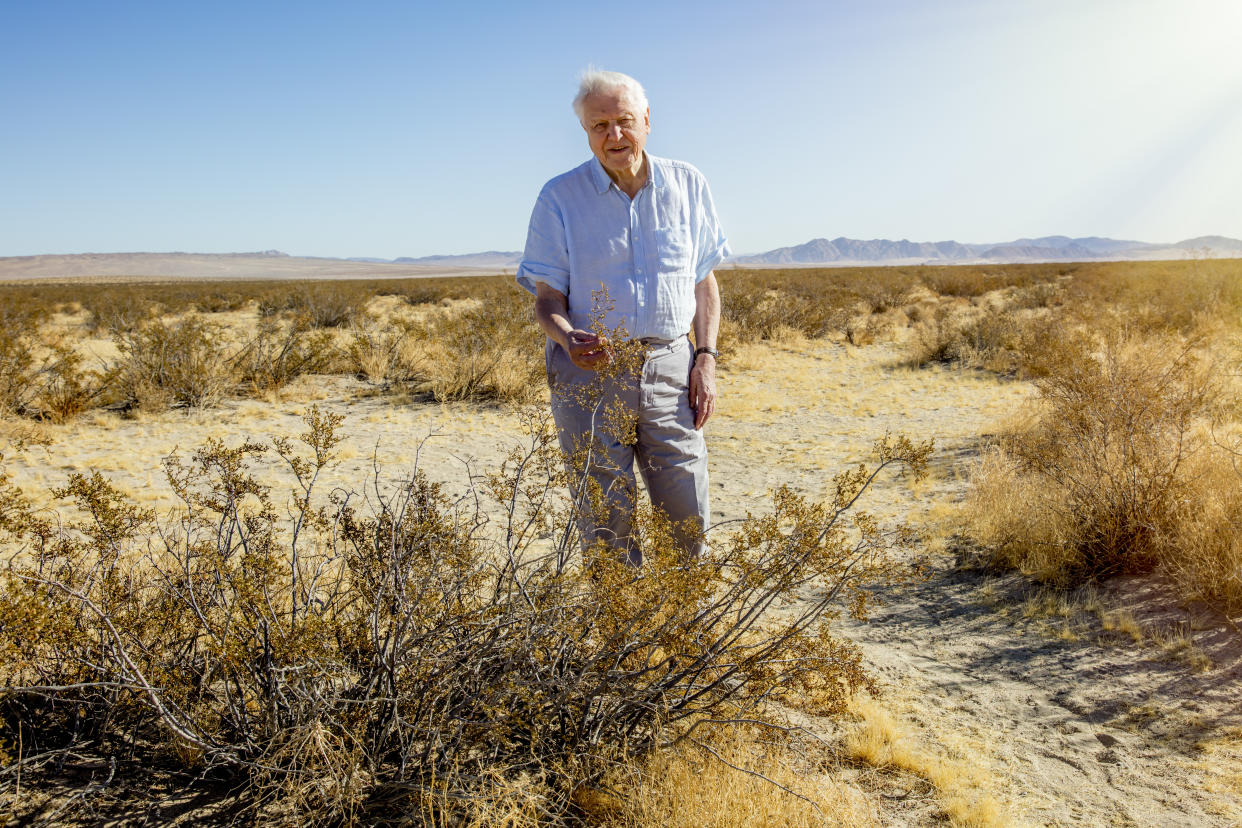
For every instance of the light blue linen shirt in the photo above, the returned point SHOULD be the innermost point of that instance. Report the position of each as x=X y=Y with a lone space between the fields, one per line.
x=648 y=252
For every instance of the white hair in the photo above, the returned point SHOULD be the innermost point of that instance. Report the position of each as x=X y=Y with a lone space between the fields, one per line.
x=597 y=80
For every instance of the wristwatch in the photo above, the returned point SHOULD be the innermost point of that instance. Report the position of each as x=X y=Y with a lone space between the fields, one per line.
x=705 y=350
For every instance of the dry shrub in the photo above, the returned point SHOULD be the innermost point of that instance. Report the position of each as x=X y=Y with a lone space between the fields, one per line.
x=752 y=311
x=977 y=338
x=280 y=352
x=993 y=338
x=183 y=363
x=325 y=304
x=882 y=294
x=1117 y=472
x=1205 y=547
x=1022 y=519
x=40 y=375
x=965 y=281
x=386 y=352
x=814 y=302
x=1039 y=295
x=66 y=386
x=369 y=660
x=1048 y=341
x=997 y=337
x=937 y=339
x=1159 y=297
x=749 y=313
x=220 y=299
x=119 y=310
x=428 y=292
x=486 y=353
x=19 y=331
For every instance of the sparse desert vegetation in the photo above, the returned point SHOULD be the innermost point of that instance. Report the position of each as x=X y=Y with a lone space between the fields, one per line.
x=363 y=627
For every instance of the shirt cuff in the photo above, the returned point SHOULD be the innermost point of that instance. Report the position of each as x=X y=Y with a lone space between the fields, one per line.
x=530 y=275
x=710 y=262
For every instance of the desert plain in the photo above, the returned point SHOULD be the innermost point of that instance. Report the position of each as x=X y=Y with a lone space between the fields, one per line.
x=1006 y=697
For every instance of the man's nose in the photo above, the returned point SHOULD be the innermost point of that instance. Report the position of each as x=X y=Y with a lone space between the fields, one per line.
x=614 y=132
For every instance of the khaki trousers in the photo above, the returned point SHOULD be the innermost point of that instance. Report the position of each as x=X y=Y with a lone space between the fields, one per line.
x=671 y=454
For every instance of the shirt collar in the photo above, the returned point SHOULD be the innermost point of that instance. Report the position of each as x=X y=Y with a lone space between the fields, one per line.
x=655 y=176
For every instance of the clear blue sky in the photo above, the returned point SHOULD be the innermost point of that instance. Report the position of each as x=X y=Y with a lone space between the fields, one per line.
x=406 y=129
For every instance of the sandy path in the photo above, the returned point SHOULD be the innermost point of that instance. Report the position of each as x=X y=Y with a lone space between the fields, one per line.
x=1078 y=725
x=1094 y=731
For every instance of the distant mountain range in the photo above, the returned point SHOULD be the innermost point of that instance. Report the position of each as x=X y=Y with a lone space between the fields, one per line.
x=1045 y=249
x=273 y=264
x=492 y=258
x=886 y=251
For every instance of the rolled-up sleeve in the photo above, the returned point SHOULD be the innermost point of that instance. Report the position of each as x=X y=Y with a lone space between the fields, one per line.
x=546 y=258
x=712 y=246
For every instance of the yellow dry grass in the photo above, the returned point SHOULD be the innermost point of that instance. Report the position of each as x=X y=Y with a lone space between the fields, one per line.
x=965 y=786
x=1220 y=762
x=1177 y=643
x=1122 y=621
x=695 y=787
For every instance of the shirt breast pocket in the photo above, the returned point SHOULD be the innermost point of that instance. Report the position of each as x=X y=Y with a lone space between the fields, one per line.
x=674 y=250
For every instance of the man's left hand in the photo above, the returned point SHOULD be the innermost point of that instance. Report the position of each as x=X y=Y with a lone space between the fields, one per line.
x=703 y=388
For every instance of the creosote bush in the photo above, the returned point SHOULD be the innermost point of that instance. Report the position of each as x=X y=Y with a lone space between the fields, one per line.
x=182 y=363
x=19 y=368
x=40 y=375
x=65 y=386
x=280 y=352
x=119 y=311
x=386 y=352
x=1158 y=297
x=489 y=352
x=394 y=653
x=327 y=304
x=991 y=339
x=1117 y=471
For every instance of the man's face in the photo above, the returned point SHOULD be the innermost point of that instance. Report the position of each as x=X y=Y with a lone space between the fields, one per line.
x=616 y=130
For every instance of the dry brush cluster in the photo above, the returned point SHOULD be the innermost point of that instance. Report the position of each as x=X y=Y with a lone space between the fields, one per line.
x=393 y=653
x=469 y=338
x=171 y=348
x=1127 y=461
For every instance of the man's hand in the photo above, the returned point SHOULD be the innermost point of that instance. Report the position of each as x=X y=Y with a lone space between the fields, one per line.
x=587 y=350
x=706 y=326
x=703 y=388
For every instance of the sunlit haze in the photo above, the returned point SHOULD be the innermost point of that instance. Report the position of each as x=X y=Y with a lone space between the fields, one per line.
x=406 y=129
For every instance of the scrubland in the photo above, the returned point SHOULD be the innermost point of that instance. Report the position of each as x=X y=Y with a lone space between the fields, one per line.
x=302 y=553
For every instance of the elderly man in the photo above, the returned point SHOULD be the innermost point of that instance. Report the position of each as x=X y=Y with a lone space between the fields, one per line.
x=644 y=230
